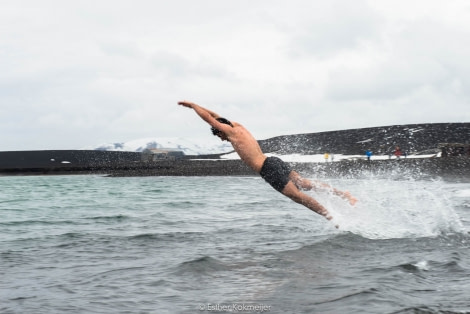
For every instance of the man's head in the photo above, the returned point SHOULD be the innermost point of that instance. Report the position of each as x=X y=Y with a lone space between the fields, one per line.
x=219 y=133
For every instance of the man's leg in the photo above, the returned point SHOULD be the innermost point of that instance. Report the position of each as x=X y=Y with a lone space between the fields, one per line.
x=305 y=184
x=291 y=191
x=301 y=183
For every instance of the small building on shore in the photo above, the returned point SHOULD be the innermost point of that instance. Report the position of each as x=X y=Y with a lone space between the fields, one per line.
x=157 y=154
x=454 y=149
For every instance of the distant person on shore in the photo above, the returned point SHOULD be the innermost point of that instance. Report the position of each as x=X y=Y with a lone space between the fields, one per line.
x=272 y=169
x=326 y=156
x=368 y=154
x=397 y=152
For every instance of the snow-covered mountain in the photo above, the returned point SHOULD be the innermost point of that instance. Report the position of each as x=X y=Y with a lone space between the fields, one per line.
x=188 y=146
x=412 y=138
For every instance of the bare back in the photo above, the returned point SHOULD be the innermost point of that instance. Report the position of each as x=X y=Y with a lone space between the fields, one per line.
x=246 y=146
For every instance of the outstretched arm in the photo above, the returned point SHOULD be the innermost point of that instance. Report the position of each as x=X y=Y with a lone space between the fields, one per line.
x=199 y=110
x=208 y=116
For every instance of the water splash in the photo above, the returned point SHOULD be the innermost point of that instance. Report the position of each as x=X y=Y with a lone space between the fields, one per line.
x=390 y=208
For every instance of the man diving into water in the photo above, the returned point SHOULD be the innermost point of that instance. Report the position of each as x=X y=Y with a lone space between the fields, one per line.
x=272 y=169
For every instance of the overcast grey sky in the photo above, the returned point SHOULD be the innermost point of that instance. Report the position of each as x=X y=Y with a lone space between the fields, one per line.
x=80 y=73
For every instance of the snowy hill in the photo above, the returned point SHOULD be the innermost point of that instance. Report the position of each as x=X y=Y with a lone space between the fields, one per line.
x=188 y=146
x=415 y=138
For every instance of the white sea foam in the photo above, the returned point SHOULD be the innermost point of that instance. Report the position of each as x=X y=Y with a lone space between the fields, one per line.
x=463 y=193
x=422 y=265
x=394 y=209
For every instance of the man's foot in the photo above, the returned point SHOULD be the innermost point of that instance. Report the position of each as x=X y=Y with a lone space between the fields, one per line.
x=352 y=200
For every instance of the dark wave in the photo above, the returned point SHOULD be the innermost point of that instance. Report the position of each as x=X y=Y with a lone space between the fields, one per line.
x=354 y=294
x=118 y=218
x=429 y=310
x=451 y=266
x=167 y=236
x=38 y=222
x=202 y=265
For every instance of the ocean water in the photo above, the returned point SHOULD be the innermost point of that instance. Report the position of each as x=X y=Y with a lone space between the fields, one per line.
x=96 y=244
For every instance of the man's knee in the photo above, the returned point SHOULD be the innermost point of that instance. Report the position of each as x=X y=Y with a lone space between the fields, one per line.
x=300 y=182
x=291 y=191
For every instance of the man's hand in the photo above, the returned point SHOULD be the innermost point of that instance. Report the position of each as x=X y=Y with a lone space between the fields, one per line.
x=199 y=110
x=186 y=104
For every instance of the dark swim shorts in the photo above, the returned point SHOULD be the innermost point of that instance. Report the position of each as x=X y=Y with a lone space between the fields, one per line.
x=275 y=172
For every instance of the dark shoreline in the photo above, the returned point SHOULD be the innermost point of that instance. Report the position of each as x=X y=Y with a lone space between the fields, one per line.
x=455 y=168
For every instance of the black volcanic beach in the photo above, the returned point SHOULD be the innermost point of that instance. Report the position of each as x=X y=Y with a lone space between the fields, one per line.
x=414 y=140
